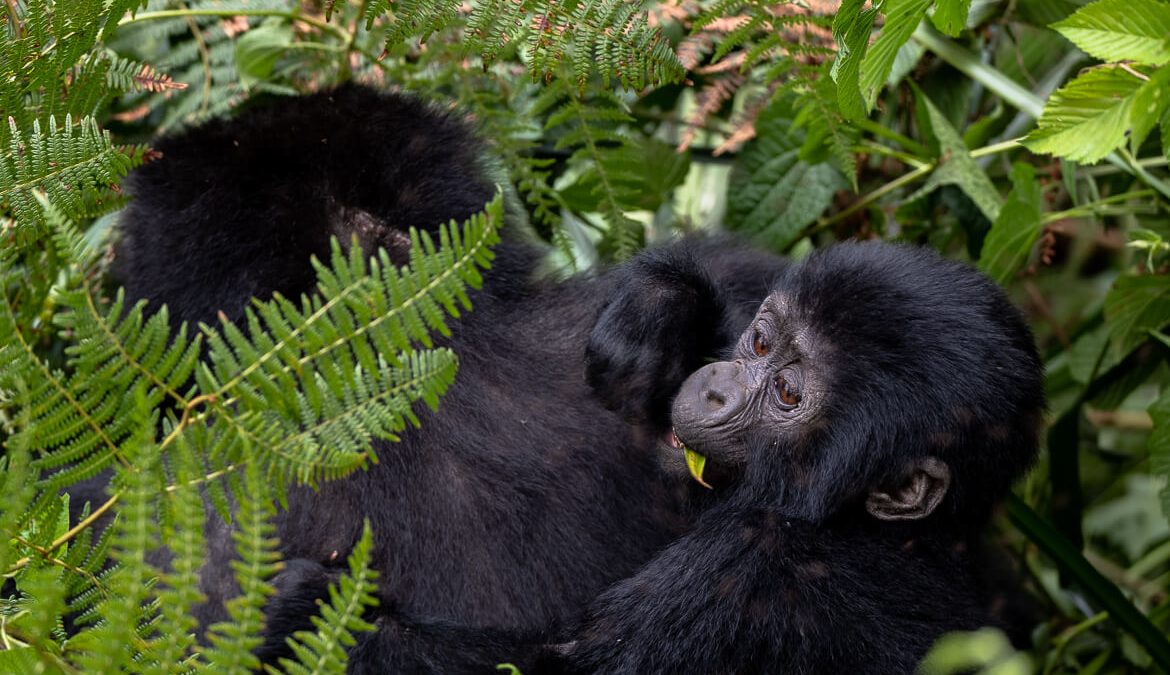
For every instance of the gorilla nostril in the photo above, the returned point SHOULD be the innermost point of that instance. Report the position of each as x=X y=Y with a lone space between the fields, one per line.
x=714 y=399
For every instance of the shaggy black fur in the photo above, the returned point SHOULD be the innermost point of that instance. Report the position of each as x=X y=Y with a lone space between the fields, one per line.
x=537 y=485
x=920 y=358
x=917 y=359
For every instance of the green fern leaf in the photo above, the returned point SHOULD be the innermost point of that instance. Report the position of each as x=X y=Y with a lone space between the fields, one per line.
x=308 y=386
x=106 y=648
x=1121 y=30
x=324 y=650
x=233 y=641
x=68 y=164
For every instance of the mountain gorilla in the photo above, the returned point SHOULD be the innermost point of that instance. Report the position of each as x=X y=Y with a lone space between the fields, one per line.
x=858 y=433
x=537 y=485
x=877 y=407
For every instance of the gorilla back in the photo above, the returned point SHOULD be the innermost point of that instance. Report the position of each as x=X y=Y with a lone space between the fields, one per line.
x=525 y=496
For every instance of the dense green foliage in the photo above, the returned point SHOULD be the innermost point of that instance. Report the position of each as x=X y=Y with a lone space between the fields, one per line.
x=1029 y=137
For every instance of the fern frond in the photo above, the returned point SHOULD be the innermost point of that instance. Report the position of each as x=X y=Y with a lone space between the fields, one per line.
x=198 y=53
x=182 y=527
x=16 y=476
x=611 y=38
x=107 y=648
x=233 y=641
x=68 y=163
x=80 y=420
x=324 y=650
x=610 y=164
x=309 y=386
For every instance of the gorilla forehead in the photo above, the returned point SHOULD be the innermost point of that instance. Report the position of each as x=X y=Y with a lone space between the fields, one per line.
x=911 y=328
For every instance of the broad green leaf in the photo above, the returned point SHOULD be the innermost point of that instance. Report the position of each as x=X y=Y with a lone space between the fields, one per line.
x=1132 y=521
x=851 y=29
x=902 y=17
x=1149 y=105
x=955 y=166
x=1121 y=30
x=950 y=16
x=1134 y=307
x=1087 y=118
x=1014 y=232
x=258 y=50
x=1159 y=444
x=772 y=191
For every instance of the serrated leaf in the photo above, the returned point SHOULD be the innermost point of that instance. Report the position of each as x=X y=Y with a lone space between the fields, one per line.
x=1149 y=106
x=1134 y=307
x=955 y=166
x=851 y=29
x=1014 y=232
x=1087 y=119
x=775 y=193
x=1121 y=30
x=1159 y=445
x=902 y=17
x=950 y=16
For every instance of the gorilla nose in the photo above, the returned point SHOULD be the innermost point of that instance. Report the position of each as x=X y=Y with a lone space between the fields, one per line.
x=721 y=391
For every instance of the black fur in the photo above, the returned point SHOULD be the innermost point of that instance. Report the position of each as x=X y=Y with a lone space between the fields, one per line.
x=790 y=573
x=786 y=571
x=525 y=496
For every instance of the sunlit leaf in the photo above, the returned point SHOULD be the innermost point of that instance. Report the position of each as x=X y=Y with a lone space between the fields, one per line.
x=1087 y=119
x=950 y=16
x=851 y=29
x=1121 y=30
x=902 y=17
x=1150 y=105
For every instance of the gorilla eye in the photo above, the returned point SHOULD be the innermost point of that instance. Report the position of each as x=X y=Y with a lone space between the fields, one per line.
x=787 y=390
x=760 y=344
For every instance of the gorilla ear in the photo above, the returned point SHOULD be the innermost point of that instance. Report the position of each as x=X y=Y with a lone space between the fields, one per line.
x=917 y=497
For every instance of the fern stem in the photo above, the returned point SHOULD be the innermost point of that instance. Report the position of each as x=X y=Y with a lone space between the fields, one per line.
x=336 y=31
x=71 y=533
x=47 y=556
x=346 y=72
x=204 y=60
x=878 y=148
x=206 y=478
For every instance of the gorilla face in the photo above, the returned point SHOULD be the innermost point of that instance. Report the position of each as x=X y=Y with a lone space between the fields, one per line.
x=775 y=382
x=870 y=377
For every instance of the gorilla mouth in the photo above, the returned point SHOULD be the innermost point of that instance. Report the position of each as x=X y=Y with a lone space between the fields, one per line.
x=695 y=461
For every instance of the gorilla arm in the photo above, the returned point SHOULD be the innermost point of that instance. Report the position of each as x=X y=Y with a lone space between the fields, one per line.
x=670 y=310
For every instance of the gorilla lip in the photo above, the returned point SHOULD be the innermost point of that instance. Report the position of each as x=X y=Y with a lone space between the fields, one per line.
x=695 y=461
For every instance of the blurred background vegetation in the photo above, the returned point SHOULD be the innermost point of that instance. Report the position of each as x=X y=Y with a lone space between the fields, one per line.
x=1029 y=137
